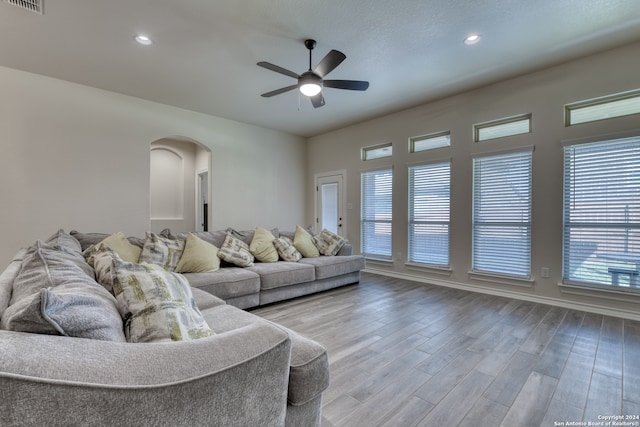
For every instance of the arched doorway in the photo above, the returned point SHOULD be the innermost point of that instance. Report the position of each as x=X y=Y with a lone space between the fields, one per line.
x=179 y=185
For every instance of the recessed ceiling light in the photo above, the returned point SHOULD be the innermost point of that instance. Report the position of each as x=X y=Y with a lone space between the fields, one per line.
x=142 y=39
x=472 y=39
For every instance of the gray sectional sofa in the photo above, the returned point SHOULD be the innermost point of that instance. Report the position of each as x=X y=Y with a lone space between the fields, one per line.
x=251 y=372
x=264 y=283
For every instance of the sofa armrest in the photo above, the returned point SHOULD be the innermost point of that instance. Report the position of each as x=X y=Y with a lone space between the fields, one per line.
x=238 y=377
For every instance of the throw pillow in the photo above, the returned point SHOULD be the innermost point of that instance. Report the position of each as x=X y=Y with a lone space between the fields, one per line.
x=286 y=250
x=236 y=252
x=118 y=243
x=262 y=247
x=101 y=261
x=156 y=304
x=303 y=241
x=64 y=242
x=198 y=256
x=55 y=293
x=328 y=243
x=162 y=251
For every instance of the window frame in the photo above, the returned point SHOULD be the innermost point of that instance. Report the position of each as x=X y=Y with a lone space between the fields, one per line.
x=364 y=211
x=414 y=139
x=373 y=148
x=492 y=123
x=411 y=258
x=475 y=270
x=602 y=100
x=568 y=279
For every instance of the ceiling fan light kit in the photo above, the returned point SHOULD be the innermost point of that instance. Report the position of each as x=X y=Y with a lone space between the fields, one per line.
x=311 y=82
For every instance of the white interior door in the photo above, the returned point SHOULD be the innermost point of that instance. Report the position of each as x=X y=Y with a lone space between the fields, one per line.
x=329 y=203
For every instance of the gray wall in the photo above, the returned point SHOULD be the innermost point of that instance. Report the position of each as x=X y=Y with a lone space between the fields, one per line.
x=76 y=157
x=543 y=93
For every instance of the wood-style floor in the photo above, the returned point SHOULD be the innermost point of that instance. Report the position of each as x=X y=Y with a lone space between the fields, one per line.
x=408 y=354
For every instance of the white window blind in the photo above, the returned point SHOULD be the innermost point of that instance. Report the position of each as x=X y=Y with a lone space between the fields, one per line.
x=429 y=201
x=602 y=213
x=502 y=214
x=376 y=219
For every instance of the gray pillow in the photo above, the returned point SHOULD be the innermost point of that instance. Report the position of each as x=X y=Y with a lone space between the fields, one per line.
x=65 y=242
x=55 y=293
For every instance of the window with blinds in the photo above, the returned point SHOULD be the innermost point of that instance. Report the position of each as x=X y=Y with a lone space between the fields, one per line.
x=606 y=107
x=429 y=208
x=376 y=218
x=601 y=241
x=502 y=214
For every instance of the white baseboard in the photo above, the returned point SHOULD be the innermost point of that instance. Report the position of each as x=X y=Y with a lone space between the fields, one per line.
x=591 y=308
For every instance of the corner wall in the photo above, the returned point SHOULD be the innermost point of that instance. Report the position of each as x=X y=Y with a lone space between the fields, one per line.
x=544 y=94
x=76 y=157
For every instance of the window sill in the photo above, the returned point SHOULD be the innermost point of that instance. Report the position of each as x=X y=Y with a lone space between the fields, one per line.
x=380 y=261
x=615 y=293
x=414 y=266
x=502 y=279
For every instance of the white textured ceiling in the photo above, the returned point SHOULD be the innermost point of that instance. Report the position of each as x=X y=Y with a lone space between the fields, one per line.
x=205 y=51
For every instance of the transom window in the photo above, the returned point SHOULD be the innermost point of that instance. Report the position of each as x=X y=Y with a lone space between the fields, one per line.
x=606 y=107
x=377 y=151
x=502 y=214
x=602 y=213
x=501 y=128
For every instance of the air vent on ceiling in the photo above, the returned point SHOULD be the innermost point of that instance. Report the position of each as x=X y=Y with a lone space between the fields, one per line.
x=30 y=5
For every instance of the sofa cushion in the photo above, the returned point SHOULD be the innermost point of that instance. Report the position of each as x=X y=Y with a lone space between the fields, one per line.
x=262 y=247
x=283 y=273
x=162 y=251
x=328 y=243
x=228 y=282
x=331 y=266
x=303 y=241
x=236 y=252
x=118 y=243
x=55 y=293
x=157 y=305
x=198 y=256
x=286 y=250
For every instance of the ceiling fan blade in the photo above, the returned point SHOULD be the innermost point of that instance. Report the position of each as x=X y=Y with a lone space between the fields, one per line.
x=346 y=84
x=317 y=100
x=329 y=63
x=277 y=69
x=279 y=91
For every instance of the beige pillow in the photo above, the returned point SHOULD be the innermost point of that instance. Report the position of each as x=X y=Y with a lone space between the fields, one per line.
x=198 y=256
x=303 y=241
x=262 y=246
x=118 y=243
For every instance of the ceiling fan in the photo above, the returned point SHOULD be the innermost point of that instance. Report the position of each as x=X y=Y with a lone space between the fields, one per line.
x=310 y=83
